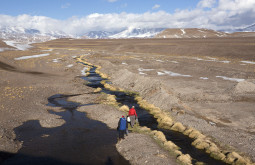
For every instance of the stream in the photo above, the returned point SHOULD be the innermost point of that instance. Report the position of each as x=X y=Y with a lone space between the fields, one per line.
x=79 y=141
x=148 y=120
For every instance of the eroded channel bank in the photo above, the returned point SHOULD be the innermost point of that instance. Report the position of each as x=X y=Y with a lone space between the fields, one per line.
x=191 y=143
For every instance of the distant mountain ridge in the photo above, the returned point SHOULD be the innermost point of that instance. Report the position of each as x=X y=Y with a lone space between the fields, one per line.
x=21 y=34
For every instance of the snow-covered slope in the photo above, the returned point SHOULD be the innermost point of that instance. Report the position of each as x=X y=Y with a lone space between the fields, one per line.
x=137 y=33
x=20 y=34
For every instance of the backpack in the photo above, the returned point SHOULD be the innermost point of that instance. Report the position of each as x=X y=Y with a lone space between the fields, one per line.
x=123 y=124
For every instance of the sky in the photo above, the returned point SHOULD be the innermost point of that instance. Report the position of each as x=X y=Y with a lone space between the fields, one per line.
x=80 y=16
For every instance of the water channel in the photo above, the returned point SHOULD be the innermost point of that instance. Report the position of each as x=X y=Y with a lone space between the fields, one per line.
x=146 y=119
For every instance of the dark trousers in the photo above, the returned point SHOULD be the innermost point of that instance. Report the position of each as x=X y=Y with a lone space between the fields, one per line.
x=121 y=134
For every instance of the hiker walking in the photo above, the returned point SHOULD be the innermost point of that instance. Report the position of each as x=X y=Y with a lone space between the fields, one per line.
x=133 y=116
x=122 y=126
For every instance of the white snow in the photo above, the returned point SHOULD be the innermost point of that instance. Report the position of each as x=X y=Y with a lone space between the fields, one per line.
x=19 y=46
x=226 y=62
x=159 y=60
x=56 y=60
x=248 y=62
x=173 y=74
x=48 y=50
x=142 y=73
x=74 y=56
x=124 y=63
x=174 y=62
x=183 y=32
x=34 y=56
x=204 y=78
x=69 y=66
x=231 y=79
x=4 y=49
x=83 y=71
x=141 y=69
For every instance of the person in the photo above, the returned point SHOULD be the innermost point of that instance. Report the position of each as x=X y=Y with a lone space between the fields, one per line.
x=122 y=126
x=133 y=116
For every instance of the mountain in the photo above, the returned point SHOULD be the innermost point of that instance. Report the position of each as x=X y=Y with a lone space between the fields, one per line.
x=98 y=34
x=20 y=34
x=137 y=33
x=190 y=33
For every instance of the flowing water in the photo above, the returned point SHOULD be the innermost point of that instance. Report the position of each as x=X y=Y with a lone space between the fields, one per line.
x=146 y=119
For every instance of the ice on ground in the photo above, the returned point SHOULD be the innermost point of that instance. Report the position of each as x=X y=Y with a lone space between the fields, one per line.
x=159 y=60
x=231 y=79
x=69 y=66
x=56 y=60
x=124 y=63
x=48 y=50
x=74 y=56
x=176 y=62
x=183 y=32
x=204 y=78
x=160 y=73
x=248 y=62
x=173 y=74
x=141 y=69
x=226 y=62
x=18 y=45
x=142 y=73
x=34 y=56
x=4 y=49
x=83 y=71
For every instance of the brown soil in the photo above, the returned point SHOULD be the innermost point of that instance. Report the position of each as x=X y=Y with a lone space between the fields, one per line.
x=202 y=96
x=26 y=85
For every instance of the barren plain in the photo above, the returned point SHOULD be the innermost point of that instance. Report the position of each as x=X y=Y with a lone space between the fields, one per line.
x=206 y=84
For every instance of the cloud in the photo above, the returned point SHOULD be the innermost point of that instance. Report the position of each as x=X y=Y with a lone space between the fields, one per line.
x=156 y=6
x=224 y=14
x=66 y=5
x=206 y=3
x=112 y=0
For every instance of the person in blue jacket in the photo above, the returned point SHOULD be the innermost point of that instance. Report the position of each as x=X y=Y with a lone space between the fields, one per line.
x=122 y=126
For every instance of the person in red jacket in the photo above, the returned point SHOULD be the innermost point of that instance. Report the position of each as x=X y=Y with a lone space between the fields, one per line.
x=133 y=116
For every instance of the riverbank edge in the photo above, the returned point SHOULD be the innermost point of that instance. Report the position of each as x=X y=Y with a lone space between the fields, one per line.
x=165 y=121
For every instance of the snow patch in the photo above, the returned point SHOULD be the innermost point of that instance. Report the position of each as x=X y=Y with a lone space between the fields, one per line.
x=48 y=50
x=174 y=62
x=183 y=32
x=173 y=74
x=204 y=78
x=124 y=63
x=69 y=66
x=231 y=79
x=83 y=71
x=18 y=45
x=56 y=60
x=142 y=73
x=248 y=62
x=34 y=56
x=141 y=69
x=159 y=60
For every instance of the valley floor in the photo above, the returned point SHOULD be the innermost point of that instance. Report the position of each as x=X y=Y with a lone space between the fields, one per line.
x=207 y=84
